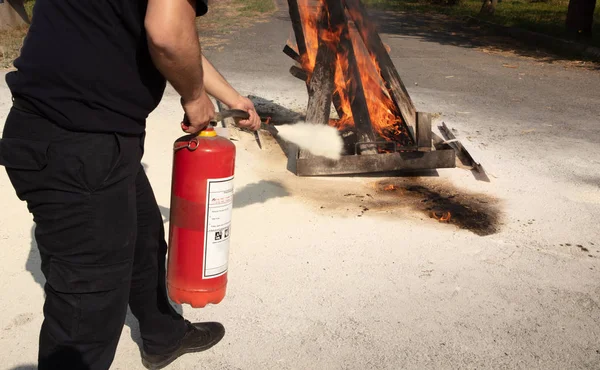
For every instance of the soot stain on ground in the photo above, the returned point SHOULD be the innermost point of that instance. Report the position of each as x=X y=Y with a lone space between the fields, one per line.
x=393 y=197
x=478 y=213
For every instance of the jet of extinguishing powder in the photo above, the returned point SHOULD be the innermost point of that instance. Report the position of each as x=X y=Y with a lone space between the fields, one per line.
x=320 y=140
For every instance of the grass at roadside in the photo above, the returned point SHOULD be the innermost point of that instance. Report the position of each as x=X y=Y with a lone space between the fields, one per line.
x=29 y=6
x=10 y=44
x=11 y=41
x=256 y=6
x=546 y=17
x=228 y=16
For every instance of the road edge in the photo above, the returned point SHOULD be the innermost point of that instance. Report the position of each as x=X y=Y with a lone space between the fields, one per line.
x=557 y=45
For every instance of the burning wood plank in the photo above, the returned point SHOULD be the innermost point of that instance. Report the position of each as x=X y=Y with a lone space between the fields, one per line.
x=302 y=57
x=360 y=110
x=389 y=73
x=294 y=10
x=344 y=62
x=361 y=97
x=320 y=86
x=301 y=74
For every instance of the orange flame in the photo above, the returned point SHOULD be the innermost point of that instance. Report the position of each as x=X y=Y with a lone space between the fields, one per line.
x=390 y=187
x=442 y=216
x=309 y=16
x=385 y=120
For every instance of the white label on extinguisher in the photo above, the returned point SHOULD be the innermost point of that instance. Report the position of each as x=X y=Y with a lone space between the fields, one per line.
x=219 y=207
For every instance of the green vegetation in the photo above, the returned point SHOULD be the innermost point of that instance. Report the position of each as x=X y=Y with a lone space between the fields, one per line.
x=230 y=16
x=256 y=6
x=10 y=45
x=544 y=16
x=11 y=41
x=29 y=6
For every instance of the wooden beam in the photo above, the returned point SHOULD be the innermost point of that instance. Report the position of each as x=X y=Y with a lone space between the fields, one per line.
x=390 y=75
x=321 y=84
x=299 y=73
x=360 y=111
x=294 y=10
x=296 y=56
x=287 y=50
x=424 y=132
x=463 y=154
x=337 y=104
x=381 y=163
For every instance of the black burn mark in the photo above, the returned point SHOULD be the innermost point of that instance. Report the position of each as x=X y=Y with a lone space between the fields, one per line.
x=477 y=213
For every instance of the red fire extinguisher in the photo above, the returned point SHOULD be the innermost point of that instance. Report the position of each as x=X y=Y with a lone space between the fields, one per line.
x=200 y=221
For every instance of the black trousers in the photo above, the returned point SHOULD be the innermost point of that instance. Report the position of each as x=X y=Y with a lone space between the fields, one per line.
x=101 y=239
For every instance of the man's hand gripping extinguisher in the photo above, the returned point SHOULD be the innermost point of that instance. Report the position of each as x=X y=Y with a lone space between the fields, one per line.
x=201 y=210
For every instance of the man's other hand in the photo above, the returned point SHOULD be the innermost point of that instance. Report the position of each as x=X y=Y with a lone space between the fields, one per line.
x=198 y=114
x=253 y=122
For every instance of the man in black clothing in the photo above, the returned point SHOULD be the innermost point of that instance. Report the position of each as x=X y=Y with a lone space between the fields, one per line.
x=89 y=74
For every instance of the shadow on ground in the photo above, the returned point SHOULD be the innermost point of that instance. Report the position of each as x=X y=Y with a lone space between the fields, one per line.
x=277 y=113
x=259 y=192
x=446 y=30
x=255 y=193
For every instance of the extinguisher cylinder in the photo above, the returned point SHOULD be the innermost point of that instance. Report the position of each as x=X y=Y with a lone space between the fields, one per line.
x=200 y=219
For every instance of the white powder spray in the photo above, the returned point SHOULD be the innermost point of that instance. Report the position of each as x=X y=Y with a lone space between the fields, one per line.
x=320 y=140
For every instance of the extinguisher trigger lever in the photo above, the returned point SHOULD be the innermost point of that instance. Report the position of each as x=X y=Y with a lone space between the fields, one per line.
x=231 y=113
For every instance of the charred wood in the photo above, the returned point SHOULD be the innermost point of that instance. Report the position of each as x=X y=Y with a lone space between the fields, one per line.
x=337 y=103
x=287 y=50
x=299 y=73
x=350 y=140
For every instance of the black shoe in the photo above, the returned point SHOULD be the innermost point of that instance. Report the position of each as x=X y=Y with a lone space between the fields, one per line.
x=199 y=337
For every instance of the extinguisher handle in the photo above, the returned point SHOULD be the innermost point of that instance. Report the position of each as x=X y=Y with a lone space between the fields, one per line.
x=231 y=113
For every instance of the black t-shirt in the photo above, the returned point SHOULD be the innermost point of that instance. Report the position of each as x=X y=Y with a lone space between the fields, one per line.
x=85 y=65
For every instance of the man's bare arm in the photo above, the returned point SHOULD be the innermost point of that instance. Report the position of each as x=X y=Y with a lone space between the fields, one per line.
x=174 y=46
x=216 y=85
x=220 y=89
x=176 y=52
